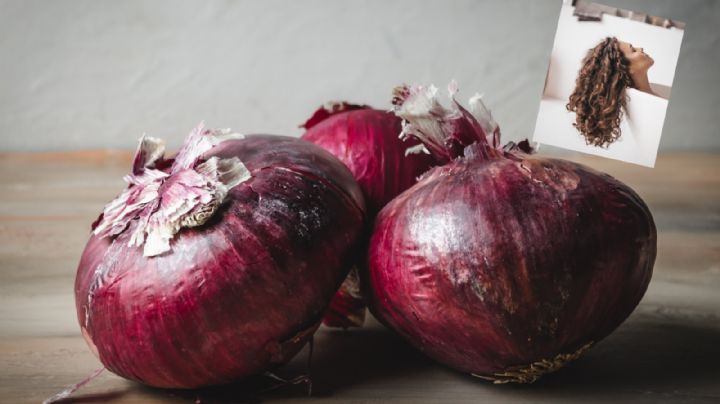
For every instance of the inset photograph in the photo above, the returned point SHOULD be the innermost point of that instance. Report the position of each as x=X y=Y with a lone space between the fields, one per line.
x=609 y=82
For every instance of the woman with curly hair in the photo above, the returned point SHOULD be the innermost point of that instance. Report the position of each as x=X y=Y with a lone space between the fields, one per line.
x=599 y=97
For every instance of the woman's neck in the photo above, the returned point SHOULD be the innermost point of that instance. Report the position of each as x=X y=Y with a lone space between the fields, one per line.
x=641 y=82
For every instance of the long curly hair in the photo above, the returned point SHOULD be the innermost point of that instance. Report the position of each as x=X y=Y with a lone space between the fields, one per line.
x=599 y=97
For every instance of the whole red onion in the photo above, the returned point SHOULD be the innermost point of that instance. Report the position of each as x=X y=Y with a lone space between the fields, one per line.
x=367 y=141
x=502 y=264
x=220 y=263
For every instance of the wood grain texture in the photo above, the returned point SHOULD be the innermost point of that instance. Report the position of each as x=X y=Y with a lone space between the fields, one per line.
x=667 y=351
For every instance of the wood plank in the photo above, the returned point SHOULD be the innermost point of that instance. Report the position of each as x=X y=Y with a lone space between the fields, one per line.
x=667 y=351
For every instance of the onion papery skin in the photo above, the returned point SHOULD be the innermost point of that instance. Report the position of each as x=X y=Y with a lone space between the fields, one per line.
x=238 y=295
x=491 y=265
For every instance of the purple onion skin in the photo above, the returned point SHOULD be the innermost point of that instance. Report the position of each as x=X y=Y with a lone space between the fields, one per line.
x=366 y=140
x=490 y=265
x=242 y=293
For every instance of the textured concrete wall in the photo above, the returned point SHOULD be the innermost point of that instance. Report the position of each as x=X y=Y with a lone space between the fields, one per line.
x=96 y=74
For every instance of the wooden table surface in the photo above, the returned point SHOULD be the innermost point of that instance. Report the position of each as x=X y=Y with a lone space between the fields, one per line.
x=668 y=350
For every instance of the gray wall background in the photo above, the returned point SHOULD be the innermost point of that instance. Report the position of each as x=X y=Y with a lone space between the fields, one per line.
x=80 y=74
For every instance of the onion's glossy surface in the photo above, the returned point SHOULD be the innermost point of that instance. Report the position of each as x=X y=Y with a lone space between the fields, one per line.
x=237 y=295
x=503 y=264
x=486 y=266
x=367 y=141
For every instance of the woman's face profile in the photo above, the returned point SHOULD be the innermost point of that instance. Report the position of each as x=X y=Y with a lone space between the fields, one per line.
x=639 y=60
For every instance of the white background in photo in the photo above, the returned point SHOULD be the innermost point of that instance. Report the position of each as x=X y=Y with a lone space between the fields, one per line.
x=83 y=74
x=643 y=123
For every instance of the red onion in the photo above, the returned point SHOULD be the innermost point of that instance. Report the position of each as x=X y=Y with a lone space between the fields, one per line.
x=367 y=141
x=502 y=264
x=220 y=263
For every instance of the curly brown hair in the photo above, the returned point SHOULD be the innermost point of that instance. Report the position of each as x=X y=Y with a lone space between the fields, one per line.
x=599 y=97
